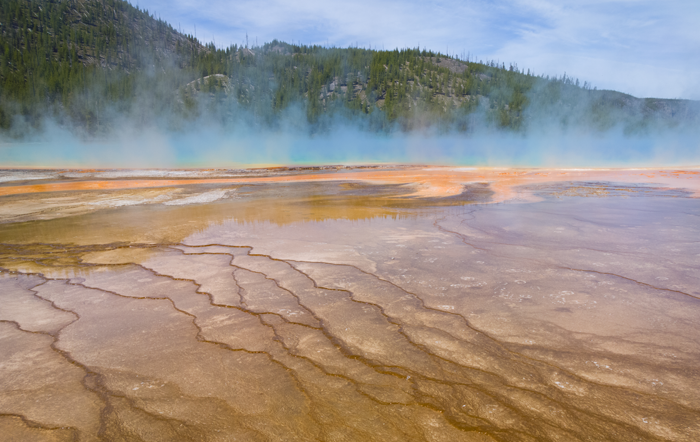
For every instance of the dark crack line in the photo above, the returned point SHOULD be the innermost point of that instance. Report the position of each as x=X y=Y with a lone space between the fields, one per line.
x=335 y=341
x=89 y=373
x=211 y=300
x=348 y=353
x=501 y=400
x=197 y=290
x=239 y=290
x=516 y=354
x=258 y=315
x=629 y=279
x=357 y=384
x=75 y=433
x=378 y=367
x=104 y=392
x=400 y=326
x=199 y=336
x=413 y=295
x=547 y=363
x=581 y=379
x=419 y=298
x=267 y=277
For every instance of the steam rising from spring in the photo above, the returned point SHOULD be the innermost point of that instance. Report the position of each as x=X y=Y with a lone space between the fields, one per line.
x=245 y=146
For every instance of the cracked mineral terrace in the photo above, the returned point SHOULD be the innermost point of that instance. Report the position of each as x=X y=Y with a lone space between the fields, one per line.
x=387 y=304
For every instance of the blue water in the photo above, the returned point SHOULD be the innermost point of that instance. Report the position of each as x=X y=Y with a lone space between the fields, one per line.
x=241 y=148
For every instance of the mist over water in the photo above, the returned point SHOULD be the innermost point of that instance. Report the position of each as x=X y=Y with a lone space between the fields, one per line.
x=219 y=146
x=225 y=125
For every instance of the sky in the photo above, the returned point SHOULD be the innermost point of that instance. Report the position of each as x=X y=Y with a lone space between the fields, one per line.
x=641 y=47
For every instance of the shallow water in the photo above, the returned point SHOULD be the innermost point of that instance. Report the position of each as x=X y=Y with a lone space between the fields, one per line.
x=346 y=311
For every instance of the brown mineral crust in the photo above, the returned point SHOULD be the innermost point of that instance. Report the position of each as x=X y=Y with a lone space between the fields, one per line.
x=353 y=311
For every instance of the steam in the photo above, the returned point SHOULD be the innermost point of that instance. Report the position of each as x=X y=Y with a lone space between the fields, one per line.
x=223 y=133
x=240 y=147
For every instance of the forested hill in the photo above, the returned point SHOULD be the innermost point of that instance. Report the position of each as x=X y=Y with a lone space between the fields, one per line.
x=89 y=64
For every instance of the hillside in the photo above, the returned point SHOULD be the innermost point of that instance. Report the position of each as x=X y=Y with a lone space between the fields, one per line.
x=89 y=64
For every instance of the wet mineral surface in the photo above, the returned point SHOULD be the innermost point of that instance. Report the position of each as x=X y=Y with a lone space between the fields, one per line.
x=352 y=311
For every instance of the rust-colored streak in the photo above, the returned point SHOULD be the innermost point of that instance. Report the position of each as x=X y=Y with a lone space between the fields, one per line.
x=427 y=182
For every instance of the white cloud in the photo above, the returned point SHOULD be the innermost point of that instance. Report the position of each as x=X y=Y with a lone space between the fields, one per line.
x=642 y=47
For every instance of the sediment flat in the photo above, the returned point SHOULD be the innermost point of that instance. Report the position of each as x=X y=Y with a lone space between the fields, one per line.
x=383 y=303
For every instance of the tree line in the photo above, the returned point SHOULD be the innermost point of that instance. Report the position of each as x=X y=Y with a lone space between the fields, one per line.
x=88 y=63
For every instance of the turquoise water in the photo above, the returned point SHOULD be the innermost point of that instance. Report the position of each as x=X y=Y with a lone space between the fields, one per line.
x=246 y=147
